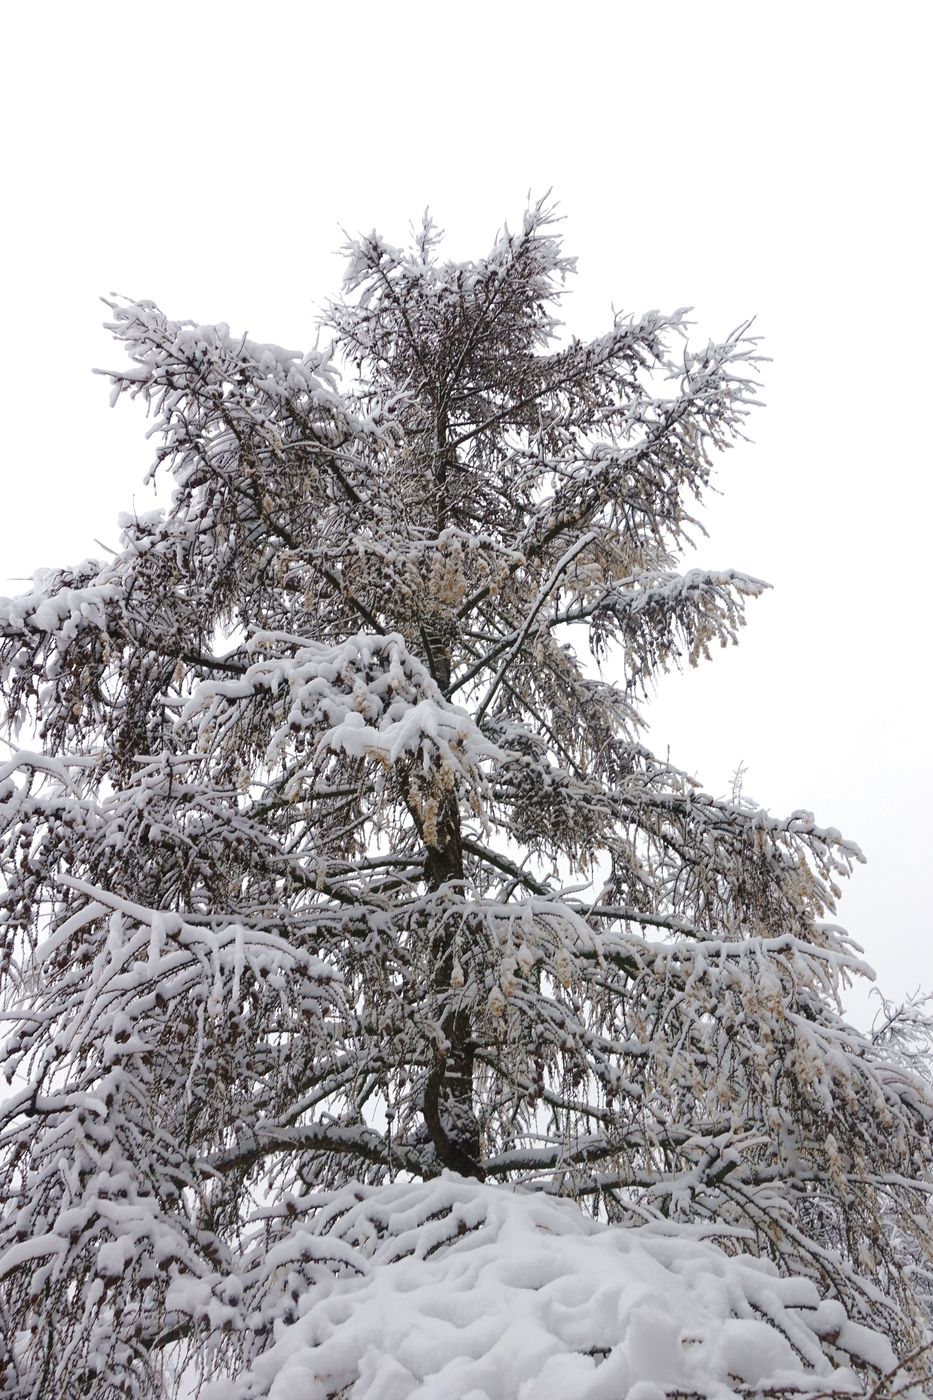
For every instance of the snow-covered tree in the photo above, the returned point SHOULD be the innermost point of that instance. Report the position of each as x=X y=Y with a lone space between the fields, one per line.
x=343 y=859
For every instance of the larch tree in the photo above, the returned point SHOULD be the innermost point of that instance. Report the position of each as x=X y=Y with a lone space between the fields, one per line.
x=343 y=864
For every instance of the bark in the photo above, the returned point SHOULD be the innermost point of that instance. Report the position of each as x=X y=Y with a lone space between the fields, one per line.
x=448 y=1106
x=449 y=1110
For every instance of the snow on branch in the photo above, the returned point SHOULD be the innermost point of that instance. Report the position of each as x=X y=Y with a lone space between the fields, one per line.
x=462 y=1289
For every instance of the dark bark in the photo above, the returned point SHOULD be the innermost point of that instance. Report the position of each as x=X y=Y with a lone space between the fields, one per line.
x=448 y=1107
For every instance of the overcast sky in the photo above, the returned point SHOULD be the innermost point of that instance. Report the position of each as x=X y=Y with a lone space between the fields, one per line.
x=743 y=159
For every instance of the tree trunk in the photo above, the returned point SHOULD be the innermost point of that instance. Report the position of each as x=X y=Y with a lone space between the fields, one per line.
x=449 y=1111
x=448 y=1106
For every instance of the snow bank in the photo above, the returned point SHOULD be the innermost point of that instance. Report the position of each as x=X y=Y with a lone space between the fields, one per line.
x=472 y=1292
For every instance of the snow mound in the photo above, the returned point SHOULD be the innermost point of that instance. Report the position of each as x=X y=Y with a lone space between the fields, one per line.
x=474 y=1292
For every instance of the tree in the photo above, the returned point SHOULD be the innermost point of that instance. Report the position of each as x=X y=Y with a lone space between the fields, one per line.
x=343 y=859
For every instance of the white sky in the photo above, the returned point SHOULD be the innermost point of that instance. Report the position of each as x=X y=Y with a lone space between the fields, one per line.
x=740 y=158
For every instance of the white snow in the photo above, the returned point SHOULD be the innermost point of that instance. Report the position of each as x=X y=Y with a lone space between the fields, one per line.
x=476 y=1292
